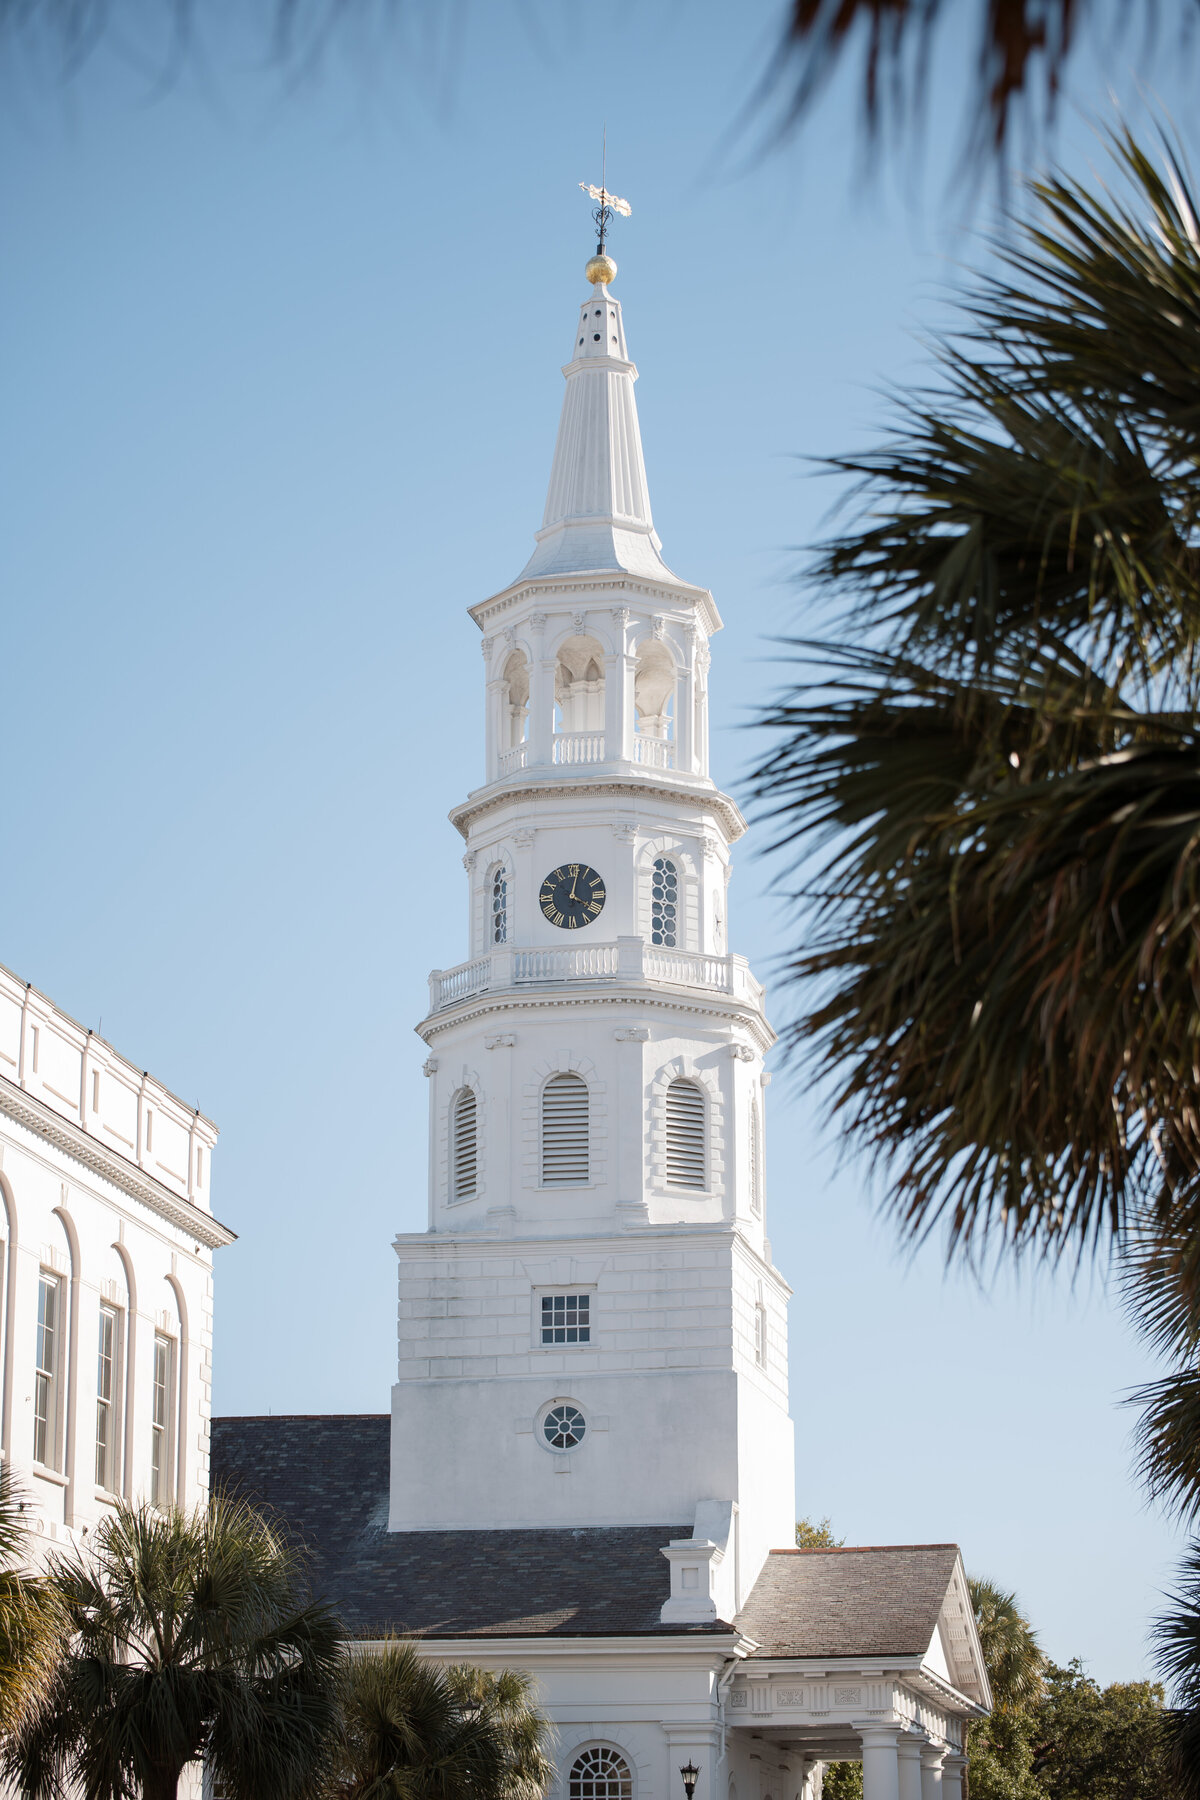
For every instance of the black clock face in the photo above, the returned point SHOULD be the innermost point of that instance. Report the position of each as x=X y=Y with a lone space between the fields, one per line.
x=572 y=896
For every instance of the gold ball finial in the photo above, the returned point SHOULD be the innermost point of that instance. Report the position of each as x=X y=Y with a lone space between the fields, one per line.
x=601 y=268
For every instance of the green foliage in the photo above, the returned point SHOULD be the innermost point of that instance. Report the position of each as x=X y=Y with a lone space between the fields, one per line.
x=1098 y=1743
x=817 y=1534
x=1013 y=1659
x=842 y=1781
x=415 y=1730
x=189 y=1637
x=31 y=1619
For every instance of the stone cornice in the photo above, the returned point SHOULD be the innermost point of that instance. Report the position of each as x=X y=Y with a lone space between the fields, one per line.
x=599 y=581
x=38 y=1118
x=626 y=787
x=524 y=1000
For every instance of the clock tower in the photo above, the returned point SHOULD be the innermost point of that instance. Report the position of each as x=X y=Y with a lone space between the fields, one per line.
x=591 y=1330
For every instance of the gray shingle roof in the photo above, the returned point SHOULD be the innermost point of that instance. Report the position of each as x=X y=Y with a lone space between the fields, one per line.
x=327 y=1479
x=868 y=1602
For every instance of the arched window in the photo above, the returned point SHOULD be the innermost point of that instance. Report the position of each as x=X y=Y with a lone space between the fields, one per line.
x=463 y=1139
x=499 y=898
x=685 y=1135
x=600 y=1774
x=664 y=903
x=755 y=1156
x=565 y=1132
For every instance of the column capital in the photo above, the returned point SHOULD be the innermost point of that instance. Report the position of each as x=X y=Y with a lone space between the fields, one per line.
x=883 y=1732
x=933 y=1755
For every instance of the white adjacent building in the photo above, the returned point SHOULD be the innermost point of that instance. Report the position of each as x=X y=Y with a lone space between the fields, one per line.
x=105 y=1275
x=588 y=1466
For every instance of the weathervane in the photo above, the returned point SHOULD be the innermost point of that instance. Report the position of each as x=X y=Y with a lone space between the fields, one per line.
x=602 y=267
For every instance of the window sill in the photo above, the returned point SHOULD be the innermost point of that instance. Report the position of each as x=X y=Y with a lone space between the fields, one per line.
x=50 y=1475
x=107 y=1497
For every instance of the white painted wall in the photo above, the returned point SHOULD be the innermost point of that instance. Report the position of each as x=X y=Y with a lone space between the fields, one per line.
x=104 y=1183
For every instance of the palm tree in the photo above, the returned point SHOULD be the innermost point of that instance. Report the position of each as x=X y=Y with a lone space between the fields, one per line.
x=416 y=1730
x=190 y=1638
x=1177 y=1644
x=31 y=1619
x=1012 y=1655
x=993 y=776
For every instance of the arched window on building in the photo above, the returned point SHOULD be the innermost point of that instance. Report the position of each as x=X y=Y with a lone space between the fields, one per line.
x=664 y=903
x=498 y=900
x=755 y=1156
x=685 y=1135
x=464 y=1155
x=565 y=1132
x=600 y=1774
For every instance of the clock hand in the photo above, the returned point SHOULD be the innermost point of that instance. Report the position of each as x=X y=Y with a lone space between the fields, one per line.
x=574 y=895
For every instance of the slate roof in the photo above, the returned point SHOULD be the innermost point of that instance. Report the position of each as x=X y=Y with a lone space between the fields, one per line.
x=327 y=1479
x=868 y=1602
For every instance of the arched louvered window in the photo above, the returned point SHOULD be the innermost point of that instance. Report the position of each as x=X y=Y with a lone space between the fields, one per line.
x=685 y=1135
x=464 y=1154
x=499 y=906
x=565 y=1132
x=755 y=1156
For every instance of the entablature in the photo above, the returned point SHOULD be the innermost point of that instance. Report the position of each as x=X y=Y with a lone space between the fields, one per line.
x=569 y=586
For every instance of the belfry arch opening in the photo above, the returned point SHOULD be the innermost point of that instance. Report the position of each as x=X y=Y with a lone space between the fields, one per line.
x=515 y=722
x=654 y=704
x=579 y=701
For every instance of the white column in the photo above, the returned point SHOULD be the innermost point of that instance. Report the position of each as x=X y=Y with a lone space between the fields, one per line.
x=541 y=695
x=909 y=1747
x=881 y=1763
x=952 y=1774
x=932 y=1758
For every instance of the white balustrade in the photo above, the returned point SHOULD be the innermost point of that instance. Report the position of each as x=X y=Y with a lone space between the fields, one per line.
x=449 y=985
x=571 y=747
x=514 y=759
x=654 y=753
x=587 y=961
x=594 y=962
x=687 y=969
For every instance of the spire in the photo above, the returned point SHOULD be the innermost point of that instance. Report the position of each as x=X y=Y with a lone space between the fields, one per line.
x=598 y=506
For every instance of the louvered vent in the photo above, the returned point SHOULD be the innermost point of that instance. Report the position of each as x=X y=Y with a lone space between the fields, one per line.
x=685 y=1135
x=463 y=1158
x=565 y=1132
x=755 y=1158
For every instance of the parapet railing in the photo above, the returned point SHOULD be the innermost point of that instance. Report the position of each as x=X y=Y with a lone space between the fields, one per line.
x=628 y=959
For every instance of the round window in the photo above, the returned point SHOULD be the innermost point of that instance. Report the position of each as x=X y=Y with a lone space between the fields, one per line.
x=564 y=1427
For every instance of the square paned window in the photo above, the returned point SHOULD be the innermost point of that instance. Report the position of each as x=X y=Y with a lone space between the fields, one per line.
x=566 y=1318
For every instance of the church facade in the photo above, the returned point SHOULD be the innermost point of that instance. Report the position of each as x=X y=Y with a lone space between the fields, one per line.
x=588 y=1466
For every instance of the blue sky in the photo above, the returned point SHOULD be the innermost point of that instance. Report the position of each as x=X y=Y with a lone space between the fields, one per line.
x=280 y=364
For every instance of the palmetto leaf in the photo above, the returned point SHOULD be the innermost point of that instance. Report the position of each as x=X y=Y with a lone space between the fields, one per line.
x=991 y=778
x=190 y=1637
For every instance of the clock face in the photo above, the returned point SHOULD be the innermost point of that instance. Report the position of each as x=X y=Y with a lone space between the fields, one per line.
x=572 y=896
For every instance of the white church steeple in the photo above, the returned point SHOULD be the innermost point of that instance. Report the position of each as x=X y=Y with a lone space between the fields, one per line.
x=594 y=1297
x=598 y=505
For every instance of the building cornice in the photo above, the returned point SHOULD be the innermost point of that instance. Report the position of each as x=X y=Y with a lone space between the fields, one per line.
x=677 y=593
x=510 y=1000
x=911 y=1670
x=628 y=787
x=480 y=1243
x=38 y=1118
